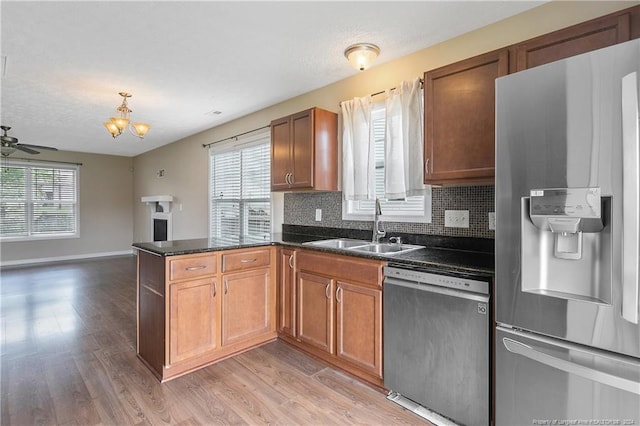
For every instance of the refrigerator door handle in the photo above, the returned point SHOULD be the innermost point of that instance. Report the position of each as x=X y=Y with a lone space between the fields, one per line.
x=589 y=373
x=630 y=204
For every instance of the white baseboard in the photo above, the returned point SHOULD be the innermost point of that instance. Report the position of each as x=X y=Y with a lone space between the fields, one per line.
x=63 y=258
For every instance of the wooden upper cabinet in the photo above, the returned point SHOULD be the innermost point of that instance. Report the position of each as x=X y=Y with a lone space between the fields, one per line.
x=459 y=119
x=304 y=151
x=577 y=39
x=280 y=153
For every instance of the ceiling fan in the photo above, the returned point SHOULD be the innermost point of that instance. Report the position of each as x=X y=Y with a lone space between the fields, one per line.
x=10 y=144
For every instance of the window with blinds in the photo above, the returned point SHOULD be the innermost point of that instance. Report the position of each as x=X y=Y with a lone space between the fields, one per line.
x=239 y=188
x=411 y=209
x=38 y=200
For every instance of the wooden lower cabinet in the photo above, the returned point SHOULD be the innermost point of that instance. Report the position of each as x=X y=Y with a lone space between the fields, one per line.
x=339 y=311
x=201 y=313
x=316 y=311
x=247 y=302
x=286 y=292
x=359 y=326
x=193 y=320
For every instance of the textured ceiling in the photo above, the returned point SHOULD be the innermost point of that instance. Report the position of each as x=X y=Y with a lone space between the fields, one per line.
x=66 y=61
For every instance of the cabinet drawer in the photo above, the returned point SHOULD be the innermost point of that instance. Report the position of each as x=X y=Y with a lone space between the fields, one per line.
x=192 y=266
x=246 y=259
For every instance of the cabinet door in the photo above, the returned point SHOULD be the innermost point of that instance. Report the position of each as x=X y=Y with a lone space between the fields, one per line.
x=460 y=121
x=302 y=149
x=286 y=293
x=193 y=319
x=315 y=311
x=280 y=154
x=359 y=326
x=245 y=305
x=577 y=39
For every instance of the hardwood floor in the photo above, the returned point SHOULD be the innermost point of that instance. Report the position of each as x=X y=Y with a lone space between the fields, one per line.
x=68 y=358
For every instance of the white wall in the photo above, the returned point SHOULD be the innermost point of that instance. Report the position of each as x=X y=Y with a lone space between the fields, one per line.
x=106 y=212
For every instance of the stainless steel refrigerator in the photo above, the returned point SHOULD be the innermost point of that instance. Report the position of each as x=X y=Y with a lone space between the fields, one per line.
x=567 y=241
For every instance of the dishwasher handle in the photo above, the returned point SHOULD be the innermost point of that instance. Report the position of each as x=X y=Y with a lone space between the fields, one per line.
x=436 y=289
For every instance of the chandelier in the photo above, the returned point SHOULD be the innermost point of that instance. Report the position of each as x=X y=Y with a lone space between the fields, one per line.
x=117 y=125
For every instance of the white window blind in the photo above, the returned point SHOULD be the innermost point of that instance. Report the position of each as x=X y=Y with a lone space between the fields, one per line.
x=240 y=193
x=411 y=209
x=38 y=200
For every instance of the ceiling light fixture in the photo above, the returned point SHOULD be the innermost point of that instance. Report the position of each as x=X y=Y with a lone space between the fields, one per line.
x=117 y=125
x=361 y=55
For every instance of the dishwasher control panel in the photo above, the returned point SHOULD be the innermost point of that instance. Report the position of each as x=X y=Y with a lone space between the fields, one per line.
x=423 y=277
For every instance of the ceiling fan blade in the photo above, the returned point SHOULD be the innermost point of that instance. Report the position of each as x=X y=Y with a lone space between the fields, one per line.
x=28 y=145
x=24 y=148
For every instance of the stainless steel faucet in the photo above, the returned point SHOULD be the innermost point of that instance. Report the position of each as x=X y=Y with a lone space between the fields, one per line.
x=378 y=228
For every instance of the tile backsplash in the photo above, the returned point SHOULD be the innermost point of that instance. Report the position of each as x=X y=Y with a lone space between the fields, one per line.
x=300 y=209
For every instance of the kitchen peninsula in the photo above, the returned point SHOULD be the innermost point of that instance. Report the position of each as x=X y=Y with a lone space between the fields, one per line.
x=203 y=305
x=202 y=300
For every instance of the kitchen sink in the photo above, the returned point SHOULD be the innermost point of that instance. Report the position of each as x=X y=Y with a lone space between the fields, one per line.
x=381 y=249
x=337 y=243
x=385 y=248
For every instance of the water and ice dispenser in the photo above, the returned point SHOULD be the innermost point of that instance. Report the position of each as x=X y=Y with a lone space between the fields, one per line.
x=566 y=244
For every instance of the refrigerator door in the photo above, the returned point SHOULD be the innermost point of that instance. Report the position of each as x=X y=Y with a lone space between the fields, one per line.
x=570 y=124
x=545 y=381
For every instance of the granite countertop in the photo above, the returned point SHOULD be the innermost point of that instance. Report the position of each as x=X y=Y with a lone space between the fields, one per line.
x=441 y=254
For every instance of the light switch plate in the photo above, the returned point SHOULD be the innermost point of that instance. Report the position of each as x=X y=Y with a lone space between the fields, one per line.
x=456 y=218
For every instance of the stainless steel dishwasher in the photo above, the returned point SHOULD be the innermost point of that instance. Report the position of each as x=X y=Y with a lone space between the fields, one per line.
x=436 y=331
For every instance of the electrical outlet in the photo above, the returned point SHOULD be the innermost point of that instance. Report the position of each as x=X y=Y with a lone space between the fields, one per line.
x=318 y=215
x=456 y=218
x=492 y=221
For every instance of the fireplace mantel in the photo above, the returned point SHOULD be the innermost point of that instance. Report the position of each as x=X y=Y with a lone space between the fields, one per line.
x=164 y=201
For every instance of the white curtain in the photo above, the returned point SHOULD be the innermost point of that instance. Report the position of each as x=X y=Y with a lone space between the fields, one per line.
x=404 y=141
x=358 y=154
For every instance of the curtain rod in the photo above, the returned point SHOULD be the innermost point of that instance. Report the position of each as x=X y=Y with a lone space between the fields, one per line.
x=34 y=160
x=206 y=145
x=382 y=91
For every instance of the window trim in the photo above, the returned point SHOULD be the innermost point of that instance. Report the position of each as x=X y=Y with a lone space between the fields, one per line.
x=8 y=162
